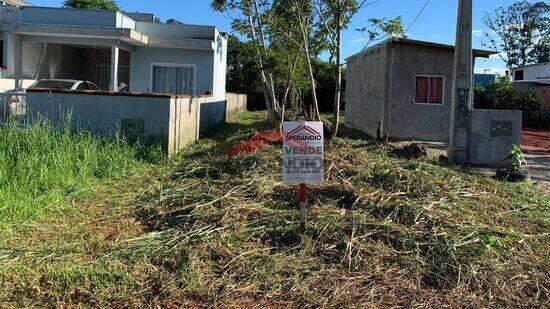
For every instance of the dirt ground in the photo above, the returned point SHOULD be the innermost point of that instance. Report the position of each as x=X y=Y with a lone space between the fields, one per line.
x=535 y=140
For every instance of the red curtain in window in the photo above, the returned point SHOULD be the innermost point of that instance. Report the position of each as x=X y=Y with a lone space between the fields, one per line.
x=436 y=90
x=422 y=89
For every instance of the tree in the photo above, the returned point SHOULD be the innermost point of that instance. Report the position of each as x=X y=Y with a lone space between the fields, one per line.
x=504 y=96
x=91 y=4
x=173 y=21
x=334 y=17
x=521 y=32
x=247 y=18
x=242 y=74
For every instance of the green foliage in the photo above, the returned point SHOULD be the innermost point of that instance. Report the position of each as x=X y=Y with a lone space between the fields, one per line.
x=40 y=167
x=522 y=32
x=380 y=28
x=529 y=100
x=173 y=21
x=502 y=95
x=92 y=4
x=242 y=73
x=516 y=158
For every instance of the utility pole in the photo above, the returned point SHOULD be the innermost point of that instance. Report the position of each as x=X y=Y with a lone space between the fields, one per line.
x=462 y=97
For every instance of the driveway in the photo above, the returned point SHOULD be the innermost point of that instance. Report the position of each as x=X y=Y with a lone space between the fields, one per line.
x=539 y=166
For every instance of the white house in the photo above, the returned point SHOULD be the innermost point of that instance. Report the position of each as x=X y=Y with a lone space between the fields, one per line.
x=112 y=49
x=173 y=75
x=532 y=72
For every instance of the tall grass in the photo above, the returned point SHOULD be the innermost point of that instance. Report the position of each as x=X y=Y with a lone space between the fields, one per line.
x=40 y=167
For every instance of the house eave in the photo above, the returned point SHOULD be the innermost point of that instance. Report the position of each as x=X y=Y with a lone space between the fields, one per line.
x=128 y=36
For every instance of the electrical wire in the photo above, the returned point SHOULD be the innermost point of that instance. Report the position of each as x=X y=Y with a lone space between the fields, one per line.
x=408 y=28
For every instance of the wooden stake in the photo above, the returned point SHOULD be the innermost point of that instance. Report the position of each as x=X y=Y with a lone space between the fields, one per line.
x=303 y=206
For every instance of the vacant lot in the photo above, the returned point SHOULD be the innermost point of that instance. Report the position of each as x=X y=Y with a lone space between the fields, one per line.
x=208 y=230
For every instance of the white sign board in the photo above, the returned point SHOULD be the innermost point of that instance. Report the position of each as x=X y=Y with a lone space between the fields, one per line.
x=303 y=146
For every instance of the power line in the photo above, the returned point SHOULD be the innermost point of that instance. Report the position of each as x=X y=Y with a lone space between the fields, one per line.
x=408 y=28
x=418 y=16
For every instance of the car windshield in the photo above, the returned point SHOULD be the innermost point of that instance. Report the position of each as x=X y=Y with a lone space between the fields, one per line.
x=52 y=84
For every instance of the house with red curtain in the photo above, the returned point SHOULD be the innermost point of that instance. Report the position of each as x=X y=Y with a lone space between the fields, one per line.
x=402 y=87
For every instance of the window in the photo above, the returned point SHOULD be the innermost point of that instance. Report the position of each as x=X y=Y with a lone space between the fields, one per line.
x=429 y=89
x=82 y=86
x=173 y=79
x=92 y=86
x=518 y=75
x=52 y=84
x=103 y=79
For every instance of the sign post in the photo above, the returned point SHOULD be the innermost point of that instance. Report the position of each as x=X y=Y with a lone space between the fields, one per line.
x=303 y=147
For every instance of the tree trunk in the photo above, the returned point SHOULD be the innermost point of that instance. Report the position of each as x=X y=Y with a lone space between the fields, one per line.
x=338 y=88
x=305 y=37
x=268 y=89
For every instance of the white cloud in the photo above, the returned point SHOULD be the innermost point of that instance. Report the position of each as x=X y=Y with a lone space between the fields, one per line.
x=491 y=70
x=478 y=33
x=498 y=56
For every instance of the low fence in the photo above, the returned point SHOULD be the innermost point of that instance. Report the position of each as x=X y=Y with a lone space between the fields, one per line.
x=236 y=103
x=173 y=121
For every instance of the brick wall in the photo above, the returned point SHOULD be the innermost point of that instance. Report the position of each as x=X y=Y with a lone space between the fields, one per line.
x=89 y=59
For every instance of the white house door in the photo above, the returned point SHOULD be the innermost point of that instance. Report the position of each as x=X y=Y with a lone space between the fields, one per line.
x=173 y=79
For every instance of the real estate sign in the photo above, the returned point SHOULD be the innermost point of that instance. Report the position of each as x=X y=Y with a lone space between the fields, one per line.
x=303 y=146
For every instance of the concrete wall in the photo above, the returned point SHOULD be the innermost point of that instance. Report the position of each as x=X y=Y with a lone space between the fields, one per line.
x=220 y=66
x=409 y=120
x=366 y=89
x=212 y=114
x=173 y=121
x=102 y=114
x=60 y=16
x=176 y=30
x=236 y=103
x=493 y=133
x=184 y=129
x=144 y=57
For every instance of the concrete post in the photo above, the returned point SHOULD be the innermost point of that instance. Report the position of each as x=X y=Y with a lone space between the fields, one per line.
x=461 y=102
x=17 y=63
x=114 y=69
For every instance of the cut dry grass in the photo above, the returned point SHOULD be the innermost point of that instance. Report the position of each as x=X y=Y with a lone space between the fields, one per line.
x=208 y=230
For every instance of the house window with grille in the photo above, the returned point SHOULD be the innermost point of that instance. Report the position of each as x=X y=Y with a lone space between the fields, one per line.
x=173 y=79
x=429 y=89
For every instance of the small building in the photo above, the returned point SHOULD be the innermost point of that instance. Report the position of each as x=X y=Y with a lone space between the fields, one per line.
x=532 y=72
x=405 y=86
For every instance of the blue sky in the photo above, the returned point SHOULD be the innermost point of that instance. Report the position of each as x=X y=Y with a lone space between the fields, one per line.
x=437 y=22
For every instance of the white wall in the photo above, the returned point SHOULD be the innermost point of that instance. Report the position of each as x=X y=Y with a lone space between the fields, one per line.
x=541 y=71
x=220 y=66
x=9 y=84
x=143 y=58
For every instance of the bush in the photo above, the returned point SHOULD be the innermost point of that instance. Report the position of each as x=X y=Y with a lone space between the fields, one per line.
x=502 y=95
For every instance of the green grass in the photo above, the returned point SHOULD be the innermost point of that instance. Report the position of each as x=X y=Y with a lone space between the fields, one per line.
x=41 y=168
x=205 y=230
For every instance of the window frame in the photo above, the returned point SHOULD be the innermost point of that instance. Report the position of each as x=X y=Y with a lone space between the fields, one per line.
x=442 y=90
x=520 y=71
x=176 y=65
